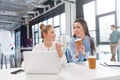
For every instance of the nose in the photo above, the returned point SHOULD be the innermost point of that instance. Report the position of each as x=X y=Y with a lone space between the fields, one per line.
x=54 y=35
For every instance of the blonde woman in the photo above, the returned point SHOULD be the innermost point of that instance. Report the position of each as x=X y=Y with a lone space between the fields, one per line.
x=49 y=44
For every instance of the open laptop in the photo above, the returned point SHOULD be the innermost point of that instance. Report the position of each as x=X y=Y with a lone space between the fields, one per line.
x=41 y=62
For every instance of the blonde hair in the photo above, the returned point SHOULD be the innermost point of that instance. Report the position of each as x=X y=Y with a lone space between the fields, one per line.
x=44 y=29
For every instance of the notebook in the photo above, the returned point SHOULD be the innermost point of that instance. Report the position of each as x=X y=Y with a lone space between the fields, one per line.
x=41 y=62
x=109 y=63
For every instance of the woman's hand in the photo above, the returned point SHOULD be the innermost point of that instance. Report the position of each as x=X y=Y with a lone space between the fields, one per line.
x=80 y=48
x=58 y=48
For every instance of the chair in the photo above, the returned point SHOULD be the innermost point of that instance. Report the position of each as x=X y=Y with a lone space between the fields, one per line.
x=68 y=55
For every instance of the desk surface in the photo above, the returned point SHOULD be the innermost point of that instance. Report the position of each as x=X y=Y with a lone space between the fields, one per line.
x=71 y=71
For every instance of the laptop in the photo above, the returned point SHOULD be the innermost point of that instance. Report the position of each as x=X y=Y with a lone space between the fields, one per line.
x=109 y=63
x=41 y=62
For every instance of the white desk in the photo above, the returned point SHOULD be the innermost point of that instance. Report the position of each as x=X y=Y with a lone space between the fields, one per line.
x=70 y=71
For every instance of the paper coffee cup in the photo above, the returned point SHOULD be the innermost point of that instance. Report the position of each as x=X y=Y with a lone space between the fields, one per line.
x=78 y=41
x=92 y=62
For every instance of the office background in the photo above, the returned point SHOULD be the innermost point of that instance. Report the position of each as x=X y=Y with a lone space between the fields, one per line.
x=61 y=14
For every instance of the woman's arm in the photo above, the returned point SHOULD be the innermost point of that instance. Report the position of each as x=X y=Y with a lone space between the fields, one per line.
x=59 y=50
x=75 y=56
x=60 y=53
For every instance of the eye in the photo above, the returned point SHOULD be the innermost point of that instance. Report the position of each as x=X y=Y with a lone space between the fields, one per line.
x=73 y=27
x=78 y=27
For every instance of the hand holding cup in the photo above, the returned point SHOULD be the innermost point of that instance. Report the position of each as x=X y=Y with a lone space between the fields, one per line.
x=78 y=42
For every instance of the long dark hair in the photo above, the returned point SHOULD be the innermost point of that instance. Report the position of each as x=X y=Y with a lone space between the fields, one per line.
x=85 y=27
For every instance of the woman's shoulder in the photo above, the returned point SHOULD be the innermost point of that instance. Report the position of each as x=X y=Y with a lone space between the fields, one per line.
x=72 y=39
x=37 y=46
x=87 y=38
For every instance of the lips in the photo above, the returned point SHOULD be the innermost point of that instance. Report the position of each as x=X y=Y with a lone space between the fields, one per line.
x=77 y=33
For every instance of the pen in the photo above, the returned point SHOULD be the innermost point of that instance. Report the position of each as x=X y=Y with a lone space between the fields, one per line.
x=103 y=64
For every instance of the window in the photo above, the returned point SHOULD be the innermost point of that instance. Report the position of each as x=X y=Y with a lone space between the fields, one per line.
x=50 y=21
x=36 y=37
x=104 y=27
x=18 y=39
x=40 y=39
x=63 y=23
x=33 y=33
x=59 y=24
x=90 y=8
x=36 y=27
x=90 y=19
x=104 y=6
x=57 y=32
x=118 y=13
x=45 y=22
x=56 y=20
x=106 y=12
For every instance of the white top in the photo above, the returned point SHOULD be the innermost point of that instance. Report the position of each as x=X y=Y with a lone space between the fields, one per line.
x=42 y=47
x=52 y=48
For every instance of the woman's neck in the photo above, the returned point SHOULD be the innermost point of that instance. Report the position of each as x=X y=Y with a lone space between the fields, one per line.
x=47 y=43
x=82 y=36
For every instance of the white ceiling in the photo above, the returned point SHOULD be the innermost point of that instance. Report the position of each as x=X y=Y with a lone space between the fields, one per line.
x=12 y=11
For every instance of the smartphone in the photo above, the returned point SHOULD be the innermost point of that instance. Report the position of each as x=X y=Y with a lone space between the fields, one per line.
x=17 y=71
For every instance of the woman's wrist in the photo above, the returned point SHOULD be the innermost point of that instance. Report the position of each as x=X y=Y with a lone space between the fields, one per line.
x=60 y=53
x=77 y=55
x=84 y=53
